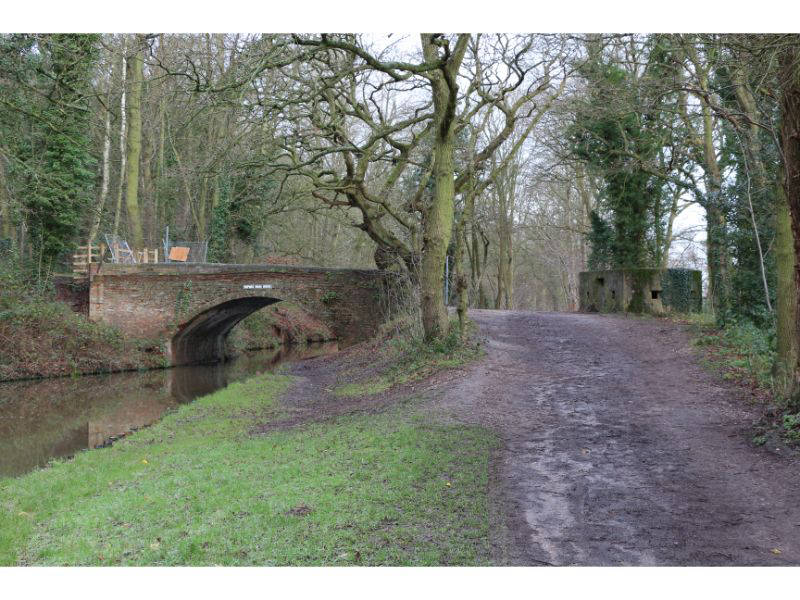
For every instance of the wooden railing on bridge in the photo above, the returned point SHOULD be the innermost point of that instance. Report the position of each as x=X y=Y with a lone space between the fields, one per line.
x=86 y=255
x=147 y=256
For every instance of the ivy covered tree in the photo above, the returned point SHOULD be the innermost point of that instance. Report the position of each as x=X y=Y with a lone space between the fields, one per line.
x=620 y=132
x=750 y=201
x=55 y=160
x=19 y=129
x=601 y=238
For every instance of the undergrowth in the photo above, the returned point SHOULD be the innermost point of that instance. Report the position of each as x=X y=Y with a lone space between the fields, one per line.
x=411 y=358
x=42 y=337
x=272 y=326
x=744 y=353
x=741 y=351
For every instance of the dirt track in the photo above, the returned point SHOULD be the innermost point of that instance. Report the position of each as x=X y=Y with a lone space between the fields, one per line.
x=620 y=448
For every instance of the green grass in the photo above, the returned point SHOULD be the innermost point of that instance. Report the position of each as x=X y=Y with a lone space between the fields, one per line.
x=198 y=489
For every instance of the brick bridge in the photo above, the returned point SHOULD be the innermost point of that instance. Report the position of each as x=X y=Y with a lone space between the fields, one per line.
x=193 y=307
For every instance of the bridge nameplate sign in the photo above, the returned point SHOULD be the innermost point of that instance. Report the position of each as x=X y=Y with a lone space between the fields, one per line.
x=257 y=286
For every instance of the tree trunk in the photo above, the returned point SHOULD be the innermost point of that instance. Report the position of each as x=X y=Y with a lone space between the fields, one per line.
x=158 y=200
x=135 y=146
x=504 y=269
x=5 y=205
x=505 y=185
x=436 y=237
x=438 y=221
x=668 y=234
x=716 y=257
x=753 y=165
x=790 y=141
x=479 y=255
x=101 y=201
x=149 y=220
x=461 y=281
x=786 y=299
x=123 y=136
x=715 y=217
x=717 y=227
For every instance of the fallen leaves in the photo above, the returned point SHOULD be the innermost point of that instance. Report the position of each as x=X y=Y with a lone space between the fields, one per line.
x=301 y=510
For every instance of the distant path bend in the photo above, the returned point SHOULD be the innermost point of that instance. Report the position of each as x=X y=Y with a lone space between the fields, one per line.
x=620 y=449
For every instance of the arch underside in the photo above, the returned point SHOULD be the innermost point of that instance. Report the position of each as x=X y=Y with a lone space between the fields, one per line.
x=202 y=340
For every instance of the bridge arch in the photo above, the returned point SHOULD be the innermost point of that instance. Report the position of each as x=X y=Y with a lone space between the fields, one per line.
x=201 y=339
x=193 y=308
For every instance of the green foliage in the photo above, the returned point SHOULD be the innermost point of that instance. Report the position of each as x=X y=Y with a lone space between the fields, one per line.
x=329 y=297
x=741 y=350
x=746 y=288
x=601 y=240
x=791 y=426
x=219 y=234
x=617 y=139
x=253 y=192
x=54 y=158
x=682 y=290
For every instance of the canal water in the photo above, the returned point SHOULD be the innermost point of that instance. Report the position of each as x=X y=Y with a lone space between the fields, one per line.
x=48 y=418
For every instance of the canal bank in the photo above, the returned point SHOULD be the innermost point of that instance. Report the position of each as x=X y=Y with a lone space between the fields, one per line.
x=41 y=339
x=59 y=417
x=213 y=483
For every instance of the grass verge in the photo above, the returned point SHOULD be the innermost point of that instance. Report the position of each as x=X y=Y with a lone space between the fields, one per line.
x=412 y=359
x=198 y=489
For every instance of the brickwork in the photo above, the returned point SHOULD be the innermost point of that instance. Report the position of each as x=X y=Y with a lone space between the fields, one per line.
x=193 y=302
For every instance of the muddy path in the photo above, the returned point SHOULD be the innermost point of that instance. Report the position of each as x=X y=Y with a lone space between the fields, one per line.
x=619 y=449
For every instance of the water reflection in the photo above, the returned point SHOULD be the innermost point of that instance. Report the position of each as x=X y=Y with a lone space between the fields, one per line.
x=43 y=419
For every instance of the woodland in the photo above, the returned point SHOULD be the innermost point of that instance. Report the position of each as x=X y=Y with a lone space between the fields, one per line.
x=501 y=165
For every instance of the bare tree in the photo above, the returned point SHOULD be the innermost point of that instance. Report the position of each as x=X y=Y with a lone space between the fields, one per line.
x=378 y=135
